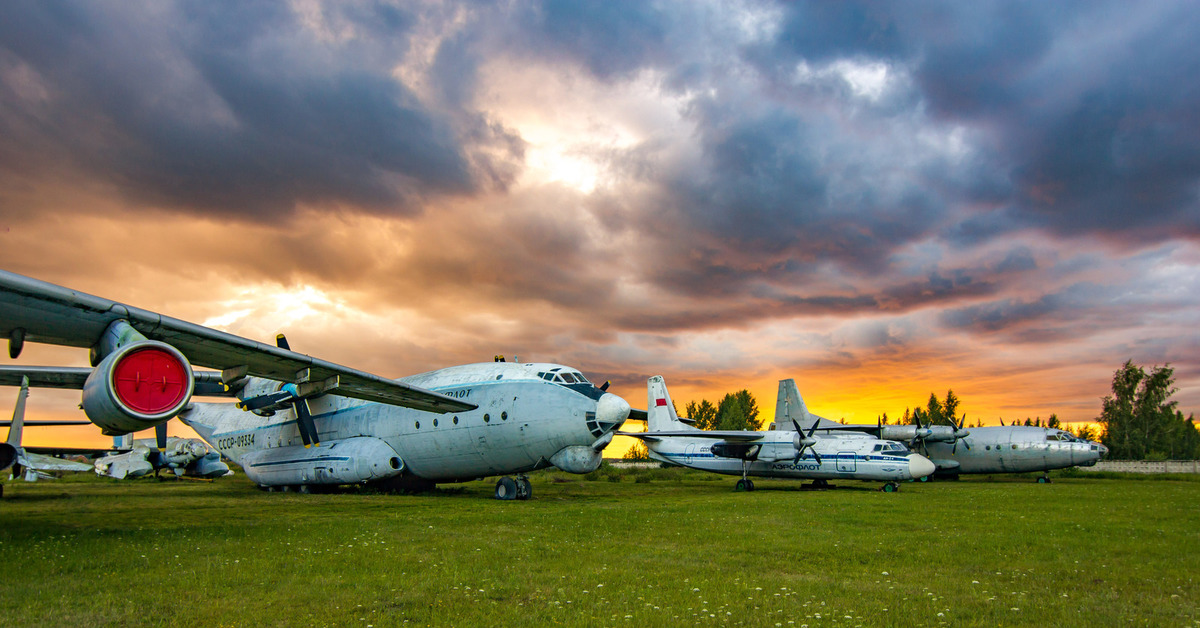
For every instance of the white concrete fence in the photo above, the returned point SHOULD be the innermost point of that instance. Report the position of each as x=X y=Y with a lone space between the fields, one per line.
x=1146 y=466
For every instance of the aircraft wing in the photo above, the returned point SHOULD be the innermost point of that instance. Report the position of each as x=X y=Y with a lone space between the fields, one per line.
x=41 y=462
x=732 y=436
x=208 y=383
x=52 y=314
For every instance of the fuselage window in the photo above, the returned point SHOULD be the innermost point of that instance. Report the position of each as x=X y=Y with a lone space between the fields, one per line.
x=504 y=416
x=456 y=420
x=418 y=425
x=487 y=418
x=435 y=422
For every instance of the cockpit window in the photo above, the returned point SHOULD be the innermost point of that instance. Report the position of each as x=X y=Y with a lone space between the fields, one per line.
x=895 y=449
x=580 y=378
x=878 y=448
x=568 y=378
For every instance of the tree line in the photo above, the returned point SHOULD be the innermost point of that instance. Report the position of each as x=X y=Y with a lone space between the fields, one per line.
x=1138 y=421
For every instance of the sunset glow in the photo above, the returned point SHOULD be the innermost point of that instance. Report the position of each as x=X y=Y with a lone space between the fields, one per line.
x=879 y=201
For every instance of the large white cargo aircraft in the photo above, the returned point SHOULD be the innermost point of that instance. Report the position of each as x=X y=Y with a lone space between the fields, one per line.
x=779 y=453
x=304 y=423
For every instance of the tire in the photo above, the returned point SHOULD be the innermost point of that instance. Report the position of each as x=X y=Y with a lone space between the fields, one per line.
x=506 y=489
x=889 y=488
x=750 y=485
x=524 y=489
x=742 y=486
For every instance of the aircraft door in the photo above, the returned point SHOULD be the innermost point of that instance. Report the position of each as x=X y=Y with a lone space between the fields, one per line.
x=846 y=462
x=689 y=453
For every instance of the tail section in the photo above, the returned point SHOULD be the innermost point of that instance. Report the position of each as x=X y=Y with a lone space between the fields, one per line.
x=660 y=412
x=790 y=406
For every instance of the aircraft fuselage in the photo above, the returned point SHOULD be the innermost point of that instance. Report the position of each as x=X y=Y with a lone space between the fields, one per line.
x=1014 y=449
x=526 y=418
x=843 y=457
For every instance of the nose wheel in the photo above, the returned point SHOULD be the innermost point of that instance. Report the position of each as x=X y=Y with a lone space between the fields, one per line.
x=1045 y=479
x=508 y=488
x=891 y=487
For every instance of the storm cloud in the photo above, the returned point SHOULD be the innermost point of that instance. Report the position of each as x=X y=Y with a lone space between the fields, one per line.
x=877 y=199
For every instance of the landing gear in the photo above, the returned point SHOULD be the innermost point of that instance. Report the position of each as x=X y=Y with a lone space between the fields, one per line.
x=744 y=485
x=924 y=478
x=891 y=487
x=1045 y=479
x=508 y=489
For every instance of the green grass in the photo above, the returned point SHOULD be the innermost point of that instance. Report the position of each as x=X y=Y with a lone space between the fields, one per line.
x=648 y=548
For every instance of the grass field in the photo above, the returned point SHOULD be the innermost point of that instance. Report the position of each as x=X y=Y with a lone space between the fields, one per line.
x=649 y=548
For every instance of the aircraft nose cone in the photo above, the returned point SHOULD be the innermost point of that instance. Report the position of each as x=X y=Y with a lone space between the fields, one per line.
x=611 y=411
x=1103 y=451
x=919 y=466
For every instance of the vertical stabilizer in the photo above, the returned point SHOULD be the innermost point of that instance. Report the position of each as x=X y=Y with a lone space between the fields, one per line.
x=790 y=406
x=660 y=412
x=18 y=419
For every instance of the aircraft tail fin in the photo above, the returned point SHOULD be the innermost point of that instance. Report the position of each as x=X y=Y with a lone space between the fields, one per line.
x=790 y=406
x=660 y=412
x=18 y=418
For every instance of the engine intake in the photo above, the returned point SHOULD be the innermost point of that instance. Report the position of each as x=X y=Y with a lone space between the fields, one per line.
x=138 y=386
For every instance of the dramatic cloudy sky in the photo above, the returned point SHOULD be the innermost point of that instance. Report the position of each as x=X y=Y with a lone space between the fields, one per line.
x=878 y=199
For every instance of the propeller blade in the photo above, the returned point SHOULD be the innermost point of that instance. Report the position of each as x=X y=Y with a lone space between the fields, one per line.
x=797 y=426
x=281 y=342
x=304 y=420
x=604 y=386
x=160 y=436
x=954 y=449
x=817 y=456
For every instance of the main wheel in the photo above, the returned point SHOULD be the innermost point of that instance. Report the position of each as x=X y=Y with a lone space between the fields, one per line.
x=1043 y=480
x=524 y=489
x=506 y=488
x=742 y=486
x=891 y=487
x=749 y=485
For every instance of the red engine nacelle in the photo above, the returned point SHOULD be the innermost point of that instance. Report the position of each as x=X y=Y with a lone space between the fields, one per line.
x=137 y=387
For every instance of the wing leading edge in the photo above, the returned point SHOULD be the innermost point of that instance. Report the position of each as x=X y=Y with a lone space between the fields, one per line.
x=38 y=311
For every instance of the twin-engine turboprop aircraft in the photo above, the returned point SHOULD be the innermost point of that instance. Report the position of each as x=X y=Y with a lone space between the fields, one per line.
x=774 y=453
x=302 y=422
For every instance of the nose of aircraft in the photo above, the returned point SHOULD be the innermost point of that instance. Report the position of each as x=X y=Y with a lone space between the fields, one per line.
x=611 y=411
x=919 y=466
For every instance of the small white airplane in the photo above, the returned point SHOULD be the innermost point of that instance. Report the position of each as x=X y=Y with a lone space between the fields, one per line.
x=185 y=457
x=34 y=465
x=304 y=423
x=775 y=453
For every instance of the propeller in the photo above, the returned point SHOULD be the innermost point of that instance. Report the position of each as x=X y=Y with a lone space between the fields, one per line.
x=304 y=420
x=960 y=434
x=920 y=434
x=805 y=442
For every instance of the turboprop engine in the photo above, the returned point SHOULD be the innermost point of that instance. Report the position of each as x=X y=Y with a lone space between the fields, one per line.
x=138 y=386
